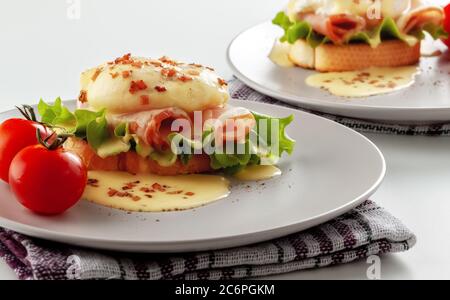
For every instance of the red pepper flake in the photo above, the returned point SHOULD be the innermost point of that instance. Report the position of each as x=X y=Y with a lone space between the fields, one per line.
x=168 y=72
x=184 y=78
x=130 y=185
x=168 y=61
x=145 y=100
x=126 y=59
x=83 y=96
x=189 y=194
x=124 y=194
x=147 y=190
x=222 y=82
x=156 y=186
x=114 y=75
x=137 y=64
x=160 y=89
x=92 y=182
x=156 y=63
x=97 y=72
x=112 y=192
x=137 y=86
x=126 y=74
x=175 y=192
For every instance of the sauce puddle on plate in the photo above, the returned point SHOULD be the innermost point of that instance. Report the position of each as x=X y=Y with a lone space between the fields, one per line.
x=153 y=193
x=363 y=83
x=257 y=172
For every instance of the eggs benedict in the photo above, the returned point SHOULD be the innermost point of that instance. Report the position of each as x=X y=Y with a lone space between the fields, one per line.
x=346 y=35
x=164 y=117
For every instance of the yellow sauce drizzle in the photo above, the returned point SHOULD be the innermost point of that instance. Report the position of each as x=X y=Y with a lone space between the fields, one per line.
x=258 y=172
x=153 y=193
x=364 y=83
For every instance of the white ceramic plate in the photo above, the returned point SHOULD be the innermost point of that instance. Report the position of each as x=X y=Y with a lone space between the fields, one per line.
x=332 y=170
x=428 y=100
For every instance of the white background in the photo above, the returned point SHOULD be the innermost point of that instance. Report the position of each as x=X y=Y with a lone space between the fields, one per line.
x=42 y=52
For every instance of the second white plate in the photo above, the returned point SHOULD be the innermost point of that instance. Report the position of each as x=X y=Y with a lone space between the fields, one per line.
x=427 y=101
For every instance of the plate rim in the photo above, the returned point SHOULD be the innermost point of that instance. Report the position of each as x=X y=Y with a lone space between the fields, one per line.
x=309 y=101
x=108 y=244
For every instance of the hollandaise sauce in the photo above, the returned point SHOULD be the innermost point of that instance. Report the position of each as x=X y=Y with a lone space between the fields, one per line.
x=258 y=172
x=280 y=54
x=153 y=193
x=364 y=83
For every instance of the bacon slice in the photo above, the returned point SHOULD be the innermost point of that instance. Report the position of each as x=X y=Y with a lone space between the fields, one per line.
x=338 y=28
x=419 y=17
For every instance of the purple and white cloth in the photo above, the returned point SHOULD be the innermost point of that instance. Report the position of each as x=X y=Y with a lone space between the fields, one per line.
x=365 y=231
x=241 y=91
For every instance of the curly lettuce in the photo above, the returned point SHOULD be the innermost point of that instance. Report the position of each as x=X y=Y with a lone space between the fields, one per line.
x=84 y=124
x=388 y=29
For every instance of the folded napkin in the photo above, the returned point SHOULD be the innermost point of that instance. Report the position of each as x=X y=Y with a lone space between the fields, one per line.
x=365 y=231
x=240 y=91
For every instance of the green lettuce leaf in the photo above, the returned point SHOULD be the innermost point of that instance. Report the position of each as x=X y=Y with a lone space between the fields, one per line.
x=297 y=30
x=83 y=118
x=232 y=163
x=97 y=132
x=386 y=30
x=183 y=147
x=57 y=115
x=83 y=124
x=285 y=143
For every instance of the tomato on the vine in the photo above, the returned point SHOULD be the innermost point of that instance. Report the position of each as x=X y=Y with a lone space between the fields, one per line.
x=16 y=134
x=47 y=179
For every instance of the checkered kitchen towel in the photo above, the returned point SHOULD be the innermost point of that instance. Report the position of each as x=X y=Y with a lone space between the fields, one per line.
x=240 y=91
x=366 y=230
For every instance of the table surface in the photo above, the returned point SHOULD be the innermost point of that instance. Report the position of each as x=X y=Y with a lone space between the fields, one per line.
x=44 y=47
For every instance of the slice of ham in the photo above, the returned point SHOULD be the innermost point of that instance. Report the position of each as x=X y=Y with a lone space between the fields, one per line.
x=337 y=28
x=153 y=126
x=230 y=123
x=419 y=17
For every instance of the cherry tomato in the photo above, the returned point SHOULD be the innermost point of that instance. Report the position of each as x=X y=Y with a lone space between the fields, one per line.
x=16 y=134
x=47 y=181
x=447 y=23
